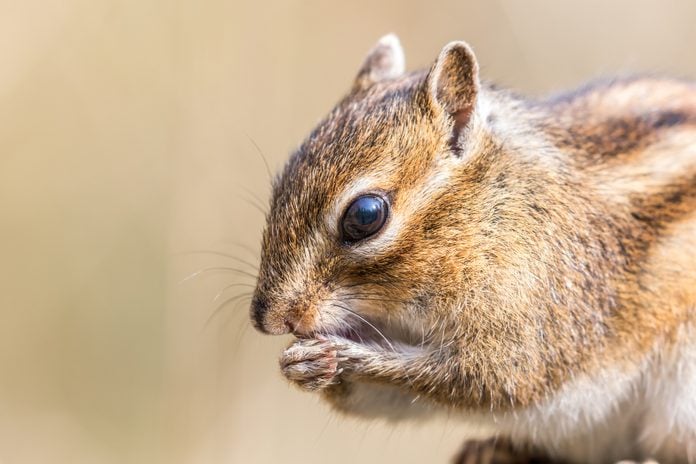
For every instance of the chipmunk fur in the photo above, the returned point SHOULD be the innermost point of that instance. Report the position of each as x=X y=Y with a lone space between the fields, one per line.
x=536 y=272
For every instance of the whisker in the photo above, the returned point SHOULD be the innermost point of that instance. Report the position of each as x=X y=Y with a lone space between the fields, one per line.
x=245 y=247
x=227 y=287
x=218 y=253
x=256 y=205
x=263 y=157
x=241 y=332
x=350 y=311
x=237 y=298
x=408 y=377
x=213 y=269
x=380 y=283
x=259 y=202
x=358 y=297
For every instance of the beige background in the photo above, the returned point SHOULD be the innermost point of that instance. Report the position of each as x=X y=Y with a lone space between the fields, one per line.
x=126 y=133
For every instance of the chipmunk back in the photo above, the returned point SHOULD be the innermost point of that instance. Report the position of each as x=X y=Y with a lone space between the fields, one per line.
x=438 y=243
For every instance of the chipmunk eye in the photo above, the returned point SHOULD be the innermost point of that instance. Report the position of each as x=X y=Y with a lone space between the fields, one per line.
x=364 y=217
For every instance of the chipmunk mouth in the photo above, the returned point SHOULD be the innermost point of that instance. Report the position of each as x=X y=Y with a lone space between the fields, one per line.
x=361 y=323
x=364 y=332
x=361 y=333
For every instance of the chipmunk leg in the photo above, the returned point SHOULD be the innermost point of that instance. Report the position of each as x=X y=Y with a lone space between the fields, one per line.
x=423 y=372
x=498 y=450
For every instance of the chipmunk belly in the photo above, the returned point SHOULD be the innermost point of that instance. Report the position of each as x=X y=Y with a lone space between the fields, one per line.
x=644 y=412
x=589 y=420
x=668 y=425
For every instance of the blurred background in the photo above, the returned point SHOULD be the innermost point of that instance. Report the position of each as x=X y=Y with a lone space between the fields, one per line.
x=130 y=134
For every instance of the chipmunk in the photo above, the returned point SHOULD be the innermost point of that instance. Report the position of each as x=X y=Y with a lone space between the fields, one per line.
x=439 y=243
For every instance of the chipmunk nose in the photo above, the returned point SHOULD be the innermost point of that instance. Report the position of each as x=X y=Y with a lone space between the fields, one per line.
x=266 y=321
x=259 y=306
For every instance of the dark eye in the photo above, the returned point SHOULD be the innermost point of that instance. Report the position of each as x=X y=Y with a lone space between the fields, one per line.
x=364 y=217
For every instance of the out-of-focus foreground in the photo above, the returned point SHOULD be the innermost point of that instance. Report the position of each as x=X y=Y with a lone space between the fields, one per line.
x=127 y=141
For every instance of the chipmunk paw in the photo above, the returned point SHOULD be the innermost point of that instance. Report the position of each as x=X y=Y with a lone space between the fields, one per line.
x=311 y=364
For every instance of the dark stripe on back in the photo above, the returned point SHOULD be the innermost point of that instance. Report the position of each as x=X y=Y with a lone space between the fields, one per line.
x=601 y=140
x=652 y=215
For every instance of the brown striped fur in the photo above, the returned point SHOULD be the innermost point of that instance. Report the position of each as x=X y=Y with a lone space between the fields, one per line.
x=530 y=243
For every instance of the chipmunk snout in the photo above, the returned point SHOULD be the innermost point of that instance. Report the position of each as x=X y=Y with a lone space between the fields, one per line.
x=258 y=309
x=267 y=321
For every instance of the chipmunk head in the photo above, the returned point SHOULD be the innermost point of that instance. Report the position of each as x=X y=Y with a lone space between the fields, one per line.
x=403 y=217
x=358 y=216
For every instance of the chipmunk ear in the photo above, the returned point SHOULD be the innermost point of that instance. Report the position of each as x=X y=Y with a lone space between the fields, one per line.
x=453 y=82
x=384 y=61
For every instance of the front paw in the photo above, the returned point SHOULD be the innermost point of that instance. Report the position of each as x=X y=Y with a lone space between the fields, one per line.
x=312 y=364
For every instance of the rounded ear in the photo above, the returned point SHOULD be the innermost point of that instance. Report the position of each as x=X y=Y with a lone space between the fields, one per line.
x=453 y=82
x=384 y=61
